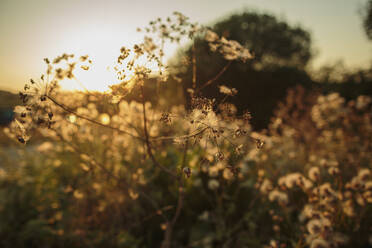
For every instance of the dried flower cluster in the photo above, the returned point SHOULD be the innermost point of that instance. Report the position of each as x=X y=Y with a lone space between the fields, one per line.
x=331 y=194
x=133 y=132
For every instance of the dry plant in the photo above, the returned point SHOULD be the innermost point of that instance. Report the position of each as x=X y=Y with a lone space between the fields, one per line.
x=303 y=182
x=136 y=130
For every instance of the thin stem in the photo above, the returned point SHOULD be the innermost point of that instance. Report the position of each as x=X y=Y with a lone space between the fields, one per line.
x=181 y=196
x=186 y=136
x=111 y=175
x=210 y=81
x=147 y=139
x=65 y=108
x=193 y=66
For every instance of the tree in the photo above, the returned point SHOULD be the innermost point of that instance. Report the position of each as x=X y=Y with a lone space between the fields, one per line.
x=281 y=53
x=273 y=42
x=367 y=19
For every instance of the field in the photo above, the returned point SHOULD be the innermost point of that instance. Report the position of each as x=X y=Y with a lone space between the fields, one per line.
x=137 y=167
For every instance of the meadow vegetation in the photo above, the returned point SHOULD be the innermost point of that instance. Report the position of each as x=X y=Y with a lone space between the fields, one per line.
x=130 y=168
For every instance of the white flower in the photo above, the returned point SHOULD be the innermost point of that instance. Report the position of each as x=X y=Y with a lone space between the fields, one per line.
x=20 y=109
x=314 y=226
x=363 y=174
x=314 y=173
x=245 y=55
x=227 y=91
x=362 y=102
x=266 y=186
x=44 y=147
x=211 y=36
x=348 y=208
x=213 y=184
x=280 y=197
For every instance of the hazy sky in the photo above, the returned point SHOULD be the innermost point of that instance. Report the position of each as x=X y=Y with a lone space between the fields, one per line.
x=33 y=29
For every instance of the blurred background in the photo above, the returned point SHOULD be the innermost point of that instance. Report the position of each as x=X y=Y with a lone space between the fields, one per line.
x=318 y=44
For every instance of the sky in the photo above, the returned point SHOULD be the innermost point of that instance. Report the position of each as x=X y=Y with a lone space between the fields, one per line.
x=31 y=30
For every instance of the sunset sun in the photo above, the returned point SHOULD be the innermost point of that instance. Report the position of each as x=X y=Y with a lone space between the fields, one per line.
x=102 y=72
x=96 y=78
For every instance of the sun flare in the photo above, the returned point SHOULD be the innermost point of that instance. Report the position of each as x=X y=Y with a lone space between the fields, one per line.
x=97 y=78
x=100 y=75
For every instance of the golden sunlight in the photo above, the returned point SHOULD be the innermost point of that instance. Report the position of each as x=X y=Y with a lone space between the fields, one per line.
x=72 y=118
x=105 y=119
x=96 y=78
x=101 y=74
x=103 y=50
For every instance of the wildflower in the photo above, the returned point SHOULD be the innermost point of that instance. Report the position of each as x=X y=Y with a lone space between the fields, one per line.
x=228 y=91
x=163 y=226
x=368 y=185
x=363 y=174
x=314 y=226
x=266 y=186
x=45 y=147
x=78 y=194
x=213 y=184
x=333 y=171
x=133 y=194
x=305 y=183
x=276 y=228
x=245 y=55
x=273 y=244
x=219 y=156
x=213 y=171
x=187 y=171
x=348 y=208
x=290 y=180
x=84 y=167
x=305 y=213
x=57 y=163
x=362 y=102
x=314 y=173
x=360 y=200
x=356 y=183
x=319 y=243
x=166 y=118
x=259 y=143
x=211 y=36
x=280 y=197
x=228 y=174
x=368 y=196
x=261 y=173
